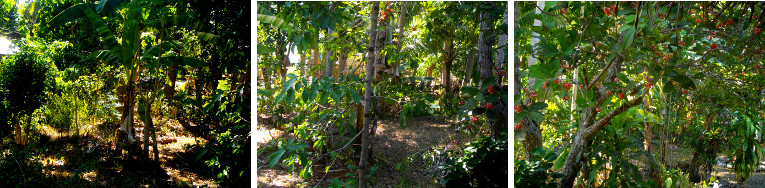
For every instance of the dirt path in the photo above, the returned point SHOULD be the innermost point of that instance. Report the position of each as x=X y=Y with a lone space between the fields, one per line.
x=727 y=178
x=392 y=146
x=57 y=159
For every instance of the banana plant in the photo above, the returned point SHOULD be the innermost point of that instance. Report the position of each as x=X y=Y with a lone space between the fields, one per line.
x=130 y=54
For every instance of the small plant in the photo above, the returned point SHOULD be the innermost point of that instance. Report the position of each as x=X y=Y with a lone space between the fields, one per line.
x=483 y=164
x=534 y=173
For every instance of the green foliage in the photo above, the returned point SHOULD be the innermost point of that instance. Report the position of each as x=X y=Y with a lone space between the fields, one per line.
x=483 y=164
x=229 y=153
x=537 y=171
x=8 y=17
x=24 y=80
x=747 y=149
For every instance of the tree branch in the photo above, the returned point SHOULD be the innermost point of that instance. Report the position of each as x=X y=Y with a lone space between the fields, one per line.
x=590 y=131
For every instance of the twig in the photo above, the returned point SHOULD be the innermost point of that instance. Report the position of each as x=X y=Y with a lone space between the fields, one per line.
x=22 y=170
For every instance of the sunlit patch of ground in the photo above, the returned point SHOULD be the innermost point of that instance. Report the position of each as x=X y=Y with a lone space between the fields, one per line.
x=277 y=178
x=86 y=161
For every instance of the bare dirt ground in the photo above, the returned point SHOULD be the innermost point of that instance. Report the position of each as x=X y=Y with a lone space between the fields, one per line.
x=90 y=161
x=392 y=146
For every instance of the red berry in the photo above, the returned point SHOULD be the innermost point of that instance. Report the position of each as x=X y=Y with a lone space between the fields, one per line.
x=534 y=95
x=757 y=30
x=518 y=109
x=502 y=72
x=648 y=85
x=462 y=102
x=756 y=66
x=685 y=91
x=698 y=20
x=475 y=118
x=729 y=22
x=597 y=109
x=608 y=92
x=567 y=85
x=488 y=106
x=665 y=58
x=544 y=85
x=565 y=98
x=517 y=126
x=414 y=29
x=607 y=11
x=682 y=43
x=621 y=95
x=714 y=46
x=557 y=81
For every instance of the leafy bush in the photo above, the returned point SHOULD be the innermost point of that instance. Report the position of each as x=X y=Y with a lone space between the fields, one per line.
x=534 y=173
x=24 y=79
x=228 y=155
x=483 y=164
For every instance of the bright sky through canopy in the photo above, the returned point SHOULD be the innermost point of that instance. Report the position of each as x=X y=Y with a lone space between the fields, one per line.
x=5 y=46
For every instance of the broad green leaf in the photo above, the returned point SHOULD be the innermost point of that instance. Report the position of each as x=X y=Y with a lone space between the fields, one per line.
x=537 y=106
x=286 y=87
x=156 y=50
x=71 y=14
x=107 y=36
x=275 y=157
x=277 y=22
x=262 y=49
x=107 y=6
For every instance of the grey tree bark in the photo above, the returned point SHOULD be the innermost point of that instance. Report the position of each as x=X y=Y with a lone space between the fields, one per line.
x=368 y=94
x=588 y=127
x=530 y=134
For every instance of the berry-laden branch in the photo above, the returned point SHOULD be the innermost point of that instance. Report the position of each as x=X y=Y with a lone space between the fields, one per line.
x=590 y=131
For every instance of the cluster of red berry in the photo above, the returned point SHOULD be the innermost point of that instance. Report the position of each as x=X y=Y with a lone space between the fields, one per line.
x=385 y=14
x=608 y=10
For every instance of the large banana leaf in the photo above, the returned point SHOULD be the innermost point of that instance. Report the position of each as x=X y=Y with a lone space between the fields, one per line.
x=106 y=7
x=106 y=55
x=276 y=21
x=70 y=14
x=107 y=36
x=154 y=51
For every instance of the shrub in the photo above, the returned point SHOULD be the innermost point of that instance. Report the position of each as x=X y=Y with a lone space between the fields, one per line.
x=484 y=164
x=24 y=79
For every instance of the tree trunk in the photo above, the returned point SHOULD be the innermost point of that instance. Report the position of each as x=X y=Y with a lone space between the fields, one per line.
x=127 y=113
x=448 y=58
x=302 y=64
x=485 y=41
x=148 y=125
x=368 y=94
x=283 y=59
x=588 y=127
x=401 y=30
x=172 y=74
x=530 y=131
x=328 y=64
x=316 y=59
x=343 y=62
x=499 y=106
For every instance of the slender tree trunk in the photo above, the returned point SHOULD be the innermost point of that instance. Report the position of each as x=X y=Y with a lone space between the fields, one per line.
x=531 y=134
x=448 y=58
x=588 y=127
x=148 y=125
x=302 y=64
x=486 y=40
x=316 y=60
x=127 y=112
x=401 y=30
x=368 y=94
x=499 y=106
x=328 y=64
x=343 y=62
